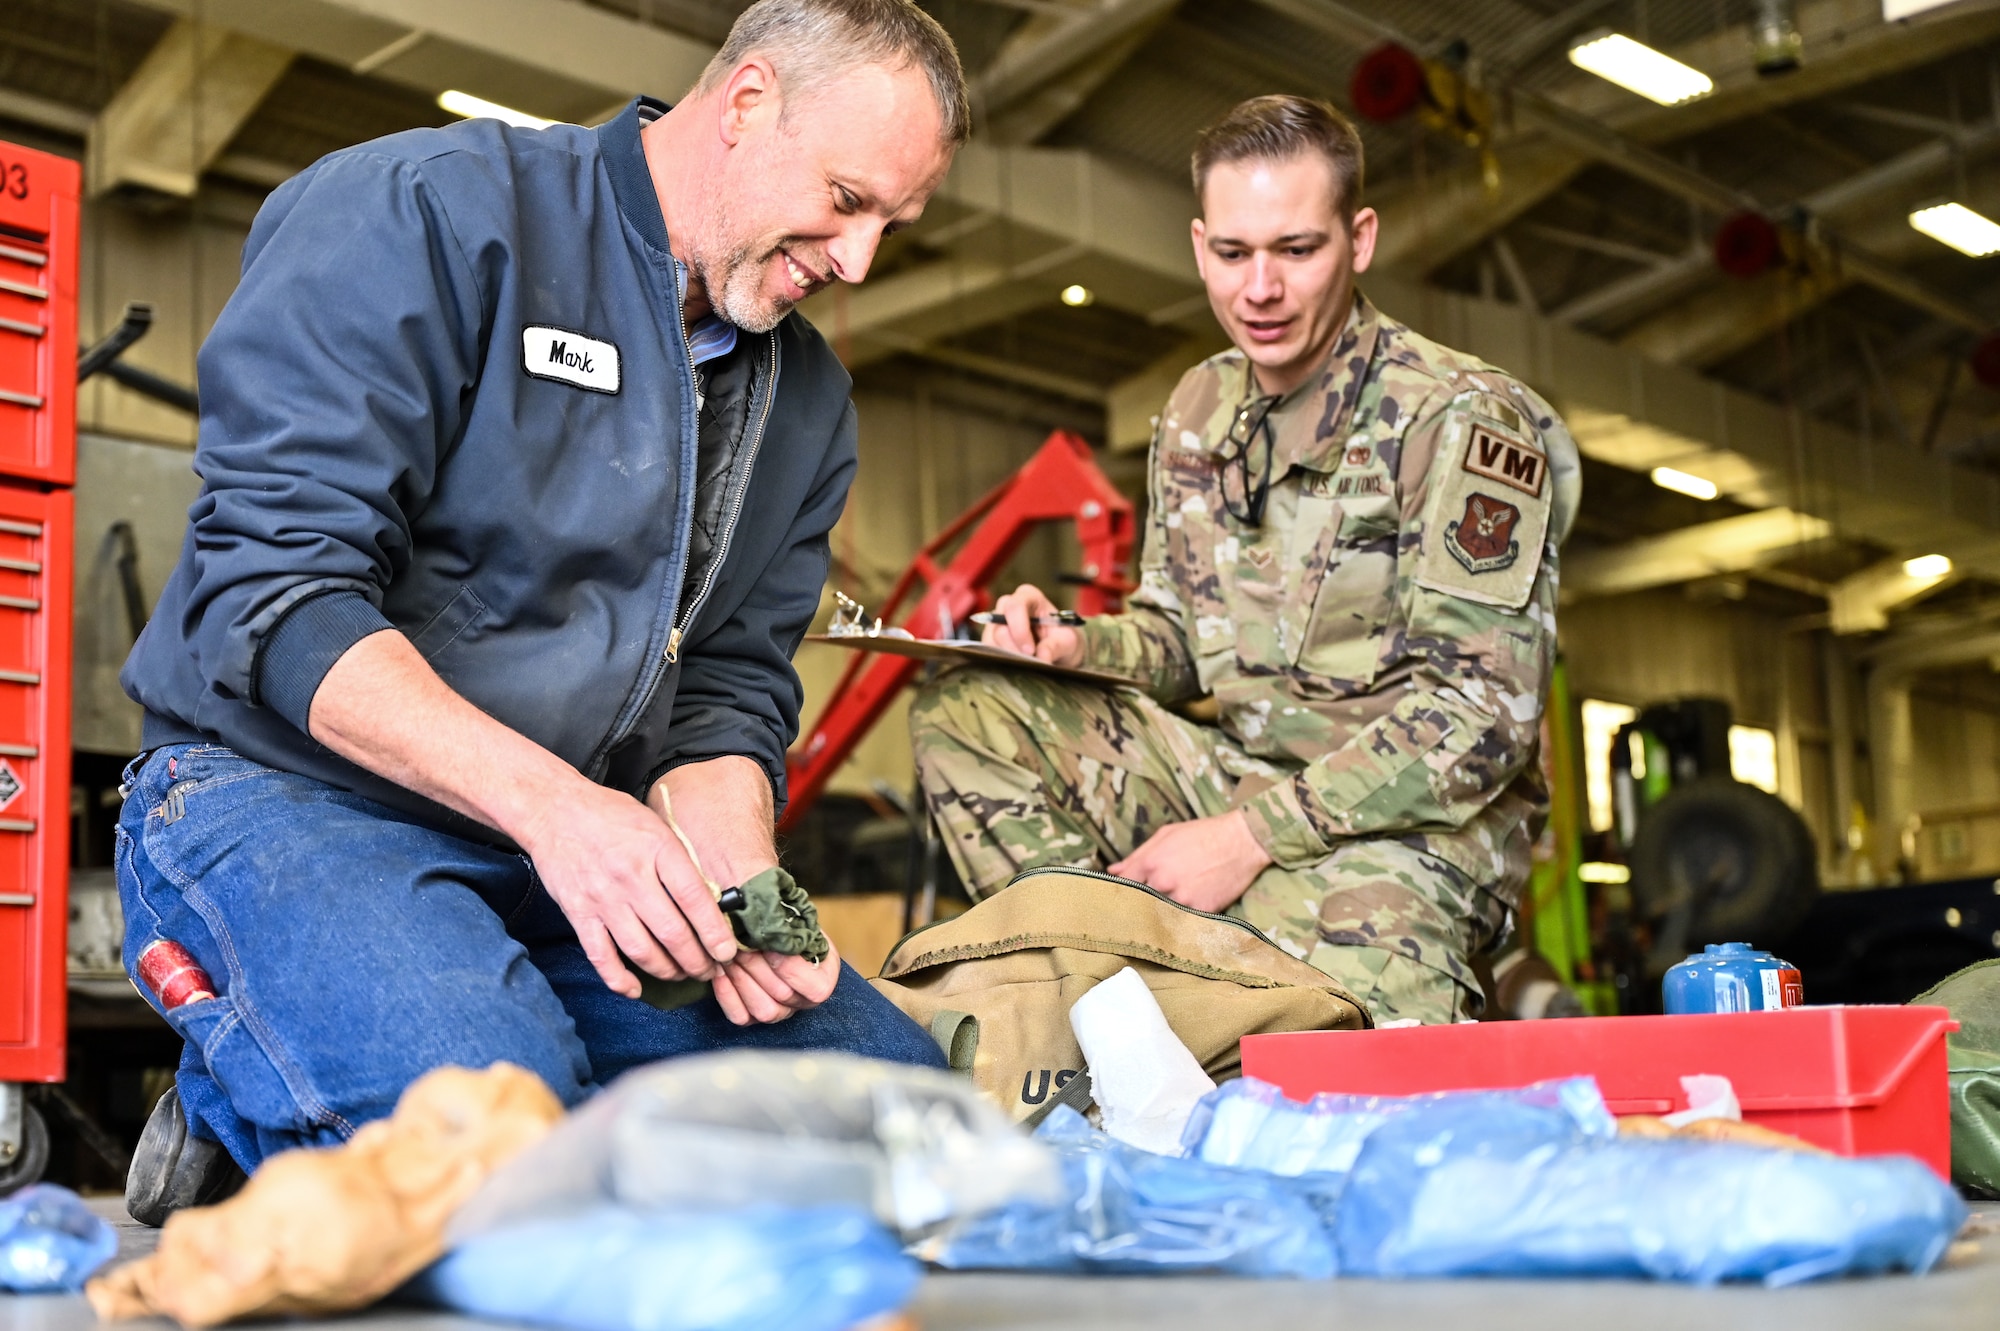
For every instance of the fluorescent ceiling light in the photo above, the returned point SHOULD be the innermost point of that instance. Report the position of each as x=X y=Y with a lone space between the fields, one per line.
x=1600 y=871
x=1900 y=9
x=1959 y=227
x=1639 y=68
x=474 y=108
x=1682 y=482
x=1075 y=294
x=1927 y=566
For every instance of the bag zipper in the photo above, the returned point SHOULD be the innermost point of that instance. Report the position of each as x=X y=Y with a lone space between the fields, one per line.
x=1244 y=925
x=1367 y=1017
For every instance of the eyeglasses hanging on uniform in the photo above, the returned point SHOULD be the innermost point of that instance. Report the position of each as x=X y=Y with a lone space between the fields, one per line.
x=1252 y=423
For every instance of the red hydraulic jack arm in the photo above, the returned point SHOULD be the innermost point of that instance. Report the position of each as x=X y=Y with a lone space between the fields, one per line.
x=1060 y=482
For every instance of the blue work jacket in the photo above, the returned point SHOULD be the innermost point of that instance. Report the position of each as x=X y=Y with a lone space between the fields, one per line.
x=452 y=396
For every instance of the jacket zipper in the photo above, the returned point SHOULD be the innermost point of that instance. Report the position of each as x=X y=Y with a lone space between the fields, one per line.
x=685 y=613
x=622 y=725
x=693 y=608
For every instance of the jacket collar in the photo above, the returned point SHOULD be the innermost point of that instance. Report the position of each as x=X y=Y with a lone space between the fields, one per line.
x=1316 y=436
x=625 y=163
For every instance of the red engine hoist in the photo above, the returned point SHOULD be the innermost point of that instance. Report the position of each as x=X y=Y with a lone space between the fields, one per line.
x=1060 y=482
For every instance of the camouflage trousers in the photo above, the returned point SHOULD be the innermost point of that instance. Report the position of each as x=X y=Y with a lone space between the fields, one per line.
x=1023 y=771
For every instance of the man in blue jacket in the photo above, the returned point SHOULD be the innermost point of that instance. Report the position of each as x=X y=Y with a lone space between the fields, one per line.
x=517 y=479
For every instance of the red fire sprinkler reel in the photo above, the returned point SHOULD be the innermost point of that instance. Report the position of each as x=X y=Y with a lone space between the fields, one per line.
x=1746 y=245
x=1985 y=360
x=1388 y=84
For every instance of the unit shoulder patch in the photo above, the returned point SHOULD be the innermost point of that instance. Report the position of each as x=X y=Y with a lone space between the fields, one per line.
x=1482 y=538
x=1488 y=515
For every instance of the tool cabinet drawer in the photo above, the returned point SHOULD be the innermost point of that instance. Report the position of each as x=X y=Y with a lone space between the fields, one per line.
x=38 y=290
x=35 y=574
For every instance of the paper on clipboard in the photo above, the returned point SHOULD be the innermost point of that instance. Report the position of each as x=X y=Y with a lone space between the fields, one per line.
x=957 y=652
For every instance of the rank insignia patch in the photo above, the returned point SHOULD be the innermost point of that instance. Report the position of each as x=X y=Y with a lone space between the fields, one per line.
x=1360 y=455
x=1482 y=538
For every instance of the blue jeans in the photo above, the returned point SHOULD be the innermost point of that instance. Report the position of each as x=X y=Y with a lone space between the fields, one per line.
x=354 y=950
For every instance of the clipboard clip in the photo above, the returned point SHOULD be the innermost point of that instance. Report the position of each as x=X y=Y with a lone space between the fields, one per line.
x=850 y=620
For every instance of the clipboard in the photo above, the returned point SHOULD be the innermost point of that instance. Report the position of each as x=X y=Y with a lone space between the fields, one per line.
x=952 y=651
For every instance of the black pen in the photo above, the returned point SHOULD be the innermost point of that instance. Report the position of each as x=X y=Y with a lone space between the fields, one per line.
x=1061 y=618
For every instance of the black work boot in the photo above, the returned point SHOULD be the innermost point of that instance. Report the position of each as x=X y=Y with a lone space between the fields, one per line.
x=173 y=1168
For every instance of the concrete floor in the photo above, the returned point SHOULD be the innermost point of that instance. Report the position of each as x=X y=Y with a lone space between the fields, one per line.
x=1964 y=1293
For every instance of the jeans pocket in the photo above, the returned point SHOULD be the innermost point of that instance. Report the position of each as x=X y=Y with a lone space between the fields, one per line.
x=241 y=1065
x=197 y=769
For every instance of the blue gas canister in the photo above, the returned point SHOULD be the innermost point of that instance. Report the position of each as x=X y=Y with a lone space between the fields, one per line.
x=1732 y=977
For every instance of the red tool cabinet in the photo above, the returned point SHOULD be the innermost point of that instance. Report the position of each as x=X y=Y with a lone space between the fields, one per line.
x=38 y=304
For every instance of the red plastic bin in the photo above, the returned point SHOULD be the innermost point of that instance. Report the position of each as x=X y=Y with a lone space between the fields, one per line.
x=1855 y=1080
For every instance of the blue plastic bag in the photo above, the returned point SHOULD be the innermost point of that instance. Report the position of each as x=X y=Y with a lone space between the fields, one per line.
x=614 y=1269
x=1251 y=1124
x=50 y=1241
x=1463 y=1188
x=1128 y=1210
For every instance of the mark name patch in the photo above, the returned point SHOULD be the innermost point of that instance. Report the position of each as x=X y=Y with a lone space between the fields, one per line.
x=1511 y=462
x=569 y=358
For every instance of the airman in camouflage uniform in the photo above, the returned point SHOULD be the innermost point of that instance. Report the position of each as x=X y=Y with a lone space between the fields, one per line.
x=1360 y=668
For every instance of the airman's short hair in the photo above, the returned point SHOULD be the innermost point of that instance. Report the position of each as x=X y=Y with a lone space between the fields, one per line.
x=1278 y=128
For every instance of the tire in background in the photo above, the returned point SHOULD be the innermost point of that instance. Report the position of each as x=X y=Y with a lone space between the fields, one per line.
x=27 y=1166
x=1745 y=855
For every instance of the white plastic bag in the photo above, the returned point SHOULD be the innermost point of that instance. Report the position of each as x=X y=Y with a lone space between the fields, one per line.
x=763 y=1128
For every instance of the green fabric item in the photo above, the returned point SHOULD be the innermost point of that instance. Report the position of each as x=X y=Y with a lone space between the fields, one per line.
x=1973 y=1057
x=777 y=916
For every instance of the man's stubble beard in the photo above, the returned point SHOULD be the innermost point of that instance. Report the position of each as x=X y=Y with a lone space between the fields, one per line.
x=735 y=282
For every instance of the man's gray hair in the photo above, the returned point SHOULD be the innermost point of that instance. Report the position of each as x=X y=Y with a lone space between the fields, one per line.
x=809 y=42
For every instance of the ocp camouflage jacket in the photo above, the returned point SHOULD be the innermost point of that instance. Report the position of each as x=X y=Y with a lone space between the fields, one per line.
x=1387 y=635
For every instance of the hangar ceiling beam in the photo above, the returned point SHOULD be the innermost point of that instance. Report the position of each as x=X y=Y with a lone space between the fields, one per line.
x=1727 y=545
x=1016 y=226
x=1050 y=49
x=557 y=58
x=179 y=109
x=1846 y=43
x=1861 y=602
x=1644 y=290
x=1732 y=316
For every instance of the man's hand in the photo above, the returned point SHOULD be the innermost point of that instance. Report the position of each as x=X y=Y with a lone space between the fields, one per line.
x=724 y=806
x=615 y=869
x=1207 y=863
x=626 y=885
x=770 y=986
x=1057 y=644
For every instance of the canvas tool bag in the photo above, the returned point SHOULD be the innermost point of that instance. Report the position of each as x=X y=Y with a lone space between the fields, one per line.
x=995 y=985
x=1972 y=1059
